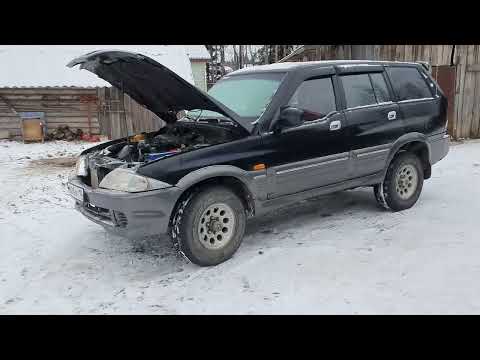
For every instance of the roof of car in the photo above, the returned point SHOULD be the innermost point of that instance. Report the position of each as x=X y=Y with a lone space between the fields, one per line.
x=291 y=66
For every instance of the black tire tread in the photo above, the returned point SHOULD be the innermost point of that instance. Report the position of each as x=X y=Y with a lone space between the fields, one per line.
x=178 y=222
x=384 y=194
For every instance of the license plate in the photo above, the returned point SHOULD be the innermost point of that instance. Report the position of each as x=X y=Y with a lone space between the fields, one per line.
x=76 y=192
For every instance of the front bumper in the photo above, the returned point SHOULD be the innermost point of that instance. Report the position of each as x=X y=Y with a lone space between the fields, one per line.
x=131 y=215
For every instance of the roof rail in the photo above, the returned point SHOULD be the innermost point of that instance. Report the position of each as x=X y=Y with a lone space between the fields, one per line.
x=426 y=65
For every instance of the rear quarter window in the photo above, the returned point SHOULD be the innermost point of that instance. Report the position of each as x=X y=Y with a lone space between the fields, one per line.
x=408 y=84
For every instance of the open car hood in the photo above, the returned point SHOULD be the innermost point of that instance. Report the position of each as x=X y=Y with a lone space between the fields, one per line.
x=151 y=84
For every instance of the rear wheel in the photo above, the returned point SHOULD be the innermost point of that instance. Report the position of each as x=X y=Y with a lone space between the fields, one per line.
x=208 y=226
x=403 y=183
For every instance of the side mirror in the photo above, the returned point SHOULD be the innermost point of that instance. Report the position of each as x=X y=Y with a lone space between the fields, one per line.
x=289 y=117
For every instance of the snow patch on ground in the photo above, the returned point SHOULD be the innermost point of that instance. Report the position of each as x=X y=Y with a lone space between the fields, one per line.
x=335 y=254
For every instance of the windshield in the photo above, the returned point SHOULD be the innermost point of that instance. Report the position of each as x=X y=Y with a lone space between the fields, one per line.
x=247 y=95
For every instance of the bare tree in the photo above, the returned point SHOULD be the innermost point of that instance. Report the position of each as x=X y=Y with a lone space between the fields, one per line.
x=235 y=56
x=222 y=53
x=240 y=59
x=252 y=55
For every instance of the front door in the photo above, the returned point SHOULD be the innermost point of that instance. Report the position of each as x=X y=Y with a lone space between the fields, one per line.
x=315 y=153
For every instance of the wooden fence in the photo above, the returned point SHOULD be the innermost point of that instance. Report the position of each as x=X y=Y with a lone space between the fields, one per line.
x=120 y=116
x=434 y=54
x=467 y=92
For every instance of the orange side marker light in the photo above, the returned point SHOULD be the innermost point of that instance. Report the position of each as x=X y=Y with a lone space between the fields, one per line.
x=259 y=167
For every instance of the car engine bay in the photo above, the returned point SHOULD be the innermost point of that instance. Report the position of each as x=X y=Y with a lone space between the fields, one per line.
x=144 y=148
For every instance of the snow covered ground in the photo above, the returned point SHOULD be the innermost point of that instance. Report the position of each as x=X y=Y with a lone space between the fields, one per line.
x=336 y=254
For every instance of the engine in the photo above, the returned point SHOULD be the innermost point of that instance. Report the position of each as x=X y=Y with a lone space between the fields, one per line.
x=168 y=141
x=146 y=147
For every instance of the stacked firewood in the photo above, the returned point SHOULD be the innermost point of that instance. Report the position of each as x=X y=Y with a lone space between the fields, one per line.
x=65 y=133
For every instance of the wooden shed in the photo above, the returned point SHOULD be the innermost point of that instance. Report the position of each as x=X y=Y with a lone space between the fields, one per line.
x=455 y=67
x=36 y=79
x=72 y=106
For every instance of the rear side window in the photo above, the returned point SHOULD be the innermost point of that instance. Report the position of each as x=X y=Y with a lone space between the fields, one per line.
x=408 y=83
x=315 y=97
x=358 y=90
x=380 y=87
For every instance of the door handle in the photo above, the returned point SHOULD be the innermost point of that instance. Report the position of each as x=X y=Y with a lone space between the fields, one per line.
x=335 y=125
x=392 y=115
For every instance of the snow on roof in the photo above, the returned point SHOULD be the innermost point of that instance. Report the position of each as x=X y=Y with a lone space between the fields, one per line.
x=45 y=65
x=197 y=52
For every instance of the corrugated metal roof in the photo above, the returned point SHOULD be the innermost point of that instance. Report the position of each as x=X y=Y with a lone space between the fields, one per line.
x=197 y=52
x=37 y=66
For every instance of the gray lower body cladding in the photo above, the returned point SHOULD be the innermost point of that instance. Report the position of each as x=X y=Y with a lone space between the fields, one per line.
x=128 y=214
x=439 y=146
x=148 y=213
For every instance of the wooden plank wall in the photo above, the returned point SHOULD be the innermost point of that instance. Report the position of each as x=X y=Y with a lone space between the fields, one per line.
x=62 y=106
x=120 y=115
x=434 y=54
x=467 y=92
x=140 y=119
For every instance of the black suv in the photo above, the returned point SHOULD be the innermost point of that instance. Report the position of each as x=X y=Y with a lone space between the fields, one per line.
x=261 y=138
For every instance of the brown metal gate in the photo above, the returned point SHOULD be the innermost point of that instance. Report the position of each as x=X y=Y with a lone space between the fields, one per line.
x=445 y=76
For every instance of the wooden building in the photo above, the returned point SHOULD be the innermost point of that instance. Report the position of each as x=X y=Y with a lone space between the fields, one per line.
x=455 y=67
x=36 y=79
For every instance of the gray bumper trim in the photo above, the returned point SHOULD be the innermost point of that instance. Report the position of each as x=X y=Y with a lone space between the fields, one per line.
x=147 y=213
x=439 y=147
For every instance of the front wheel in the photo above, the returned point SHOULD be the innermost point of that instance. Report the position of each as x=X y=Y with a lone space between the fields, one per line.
x=403 y=183
x=208 y=226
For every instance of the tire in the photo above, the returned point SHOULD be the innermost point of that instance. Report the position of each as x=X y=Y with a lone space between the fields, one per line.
x=403 y=183
x=208 y=226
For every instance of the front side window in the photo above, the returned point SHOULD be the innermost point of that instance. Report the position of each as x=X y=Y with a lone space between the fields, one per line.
x=316 y=97
x=358 y=90
x=408 y=83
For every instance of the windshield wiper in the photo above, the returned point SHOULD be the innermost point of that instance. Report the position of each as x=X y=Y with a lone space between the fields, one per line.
x=216 y=119
x=189 y=117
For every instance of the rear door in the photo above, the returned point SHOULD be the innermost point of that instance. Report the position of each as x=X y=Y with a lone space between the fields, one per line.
x=420 y=108
x=374 y=120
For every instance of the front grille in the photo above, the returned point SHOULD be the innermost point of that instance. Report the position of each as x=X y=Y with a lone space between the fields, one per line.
x=120 y=218
x=98 y=211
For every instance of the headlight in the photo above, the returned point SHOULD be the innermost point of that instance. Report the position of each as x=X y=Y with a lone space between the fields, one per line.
x=127 y=180
x=81 y=167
